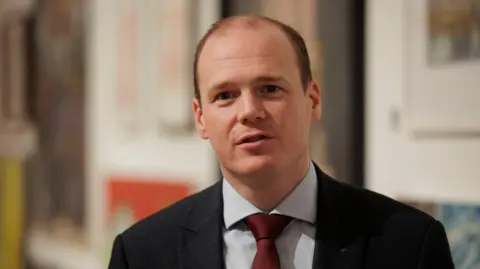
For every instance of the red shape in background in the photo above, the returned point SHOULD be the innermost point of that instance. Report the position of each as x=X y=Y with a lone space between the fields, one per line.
x=145 y=196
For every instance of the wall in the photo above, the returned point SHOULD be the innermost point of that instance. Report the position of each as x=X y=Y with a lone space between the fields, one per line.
x=399 y=164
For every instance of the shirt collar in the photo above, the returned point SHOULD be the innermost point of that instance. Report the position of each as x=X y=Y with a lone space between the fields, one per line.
x=300 y=204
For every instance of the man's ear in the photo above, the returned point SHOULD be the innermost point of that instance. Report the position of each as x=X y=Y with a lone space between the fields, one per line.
x=198 y=116
x=315 y=95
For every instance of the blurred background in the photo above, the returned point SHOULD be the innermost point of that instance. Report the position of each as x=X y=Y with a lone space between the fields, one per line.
x=96 y=129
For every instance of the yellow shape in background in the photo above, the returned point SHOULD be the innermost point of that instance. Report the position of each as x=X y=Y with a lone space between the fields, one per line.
x=11 y=213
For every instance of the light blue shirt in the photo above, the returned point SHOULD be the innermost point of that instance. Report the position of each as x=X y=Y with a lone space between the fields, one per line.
x=295 y=245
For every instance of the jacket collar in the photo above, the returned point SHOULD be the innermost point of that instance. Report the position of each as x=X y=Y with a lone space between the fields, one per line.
x=201 y=238
x=339 y=240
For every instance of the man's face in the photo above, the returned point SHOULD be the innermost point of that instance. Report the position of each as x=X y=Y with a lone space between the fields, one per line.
x=254 y=109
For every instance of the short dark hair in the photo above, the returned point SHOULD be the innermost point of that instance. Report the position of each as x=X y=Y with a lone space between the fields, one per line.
x=253 y=20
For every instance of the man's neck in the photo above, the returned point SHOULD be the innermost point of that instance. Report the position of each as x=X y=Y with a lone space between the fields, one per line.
x=267 y=191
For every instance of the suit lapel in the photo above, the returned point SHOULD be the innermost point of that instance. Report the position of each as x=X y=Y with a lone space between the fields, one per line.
x=201 y=240
x=339 y=243
x=331 y=257
x=340 y=240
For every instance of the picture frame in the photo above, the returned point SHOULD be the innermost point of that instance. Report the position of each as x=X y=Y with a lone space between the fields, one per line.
x=131 y=198
x=442 y=69
x=155 y=49
x=461 y=221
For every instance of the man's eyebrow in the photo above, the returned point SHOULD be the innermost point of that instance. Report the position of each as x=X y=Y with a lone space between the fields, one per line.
x=269 y=79
x=225 y=85
x=220 y=86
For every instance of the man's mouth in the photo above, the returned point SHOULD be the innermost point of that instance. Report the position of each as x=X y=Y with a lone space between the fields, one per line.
x=254 y=139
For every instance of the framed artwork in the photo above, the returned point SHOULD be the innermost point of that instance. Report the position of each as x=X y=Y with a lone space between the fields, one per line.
x=454 y=31
x=127 y=99
x=130 y=199
x=141 y=197
x=55 y=173
x=443 y=45
x=462 y=224
x=172 y=54
x=155 y=49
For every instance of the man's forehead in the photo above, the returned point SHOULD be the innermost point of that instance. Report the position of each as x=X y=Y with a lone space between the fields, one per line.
x=246 y=42
x=237 y=46
x=246 y=23
x=230 y=73
x=262 y=29
x=232 y=57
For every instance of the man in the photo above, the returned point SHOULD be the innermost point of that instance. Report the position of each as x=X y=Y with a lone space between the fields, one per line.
x=255 y=102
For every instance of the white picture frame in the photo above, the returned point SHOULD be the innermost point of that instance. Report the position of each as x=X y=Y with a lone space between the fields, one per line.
x=442 y=95
x=170 y=38
x=155 y=48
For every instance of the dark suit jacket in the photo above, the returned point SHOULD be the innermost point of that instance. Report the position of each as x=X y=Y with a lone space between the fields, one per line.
x=356 y=228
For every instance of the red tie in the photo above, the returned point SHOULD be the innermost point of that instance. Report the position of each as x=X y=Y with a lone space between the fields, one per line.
x=266 y=228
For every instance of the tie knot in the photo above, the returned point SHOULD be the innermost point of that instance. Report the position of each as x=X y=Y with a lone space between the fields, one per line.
x=264 y=226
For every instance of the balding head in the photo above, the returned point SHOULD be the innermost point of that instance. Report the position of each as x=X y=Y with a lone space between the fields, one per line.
x=255 y=22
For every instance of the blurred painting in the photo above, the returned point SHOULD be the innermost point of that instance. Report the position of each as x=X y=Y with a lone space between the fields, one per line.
x=454 y=31
x=462 y=224
x=172 y=56
x=463 y=229
x=130 y=199
x=56 y=171
x=153 y=93
x=127 y=67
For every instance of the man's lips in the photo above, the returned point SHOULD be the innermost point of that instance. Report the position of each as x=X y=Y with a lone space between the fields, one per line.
x=252 y=137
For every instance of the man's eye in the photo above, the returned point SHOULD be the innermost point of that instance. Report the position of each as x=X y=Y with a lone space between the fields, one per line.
x=224 y=96
x=271 y=88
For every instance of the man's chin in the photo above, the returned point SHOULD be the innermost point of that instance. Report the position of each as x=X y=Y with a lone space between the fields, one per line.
x=256 y=164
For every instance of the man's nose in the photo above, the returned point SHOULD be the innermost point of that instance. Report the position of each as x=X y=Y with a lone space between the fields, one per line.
x=252 y=109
